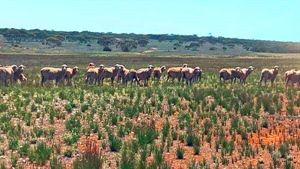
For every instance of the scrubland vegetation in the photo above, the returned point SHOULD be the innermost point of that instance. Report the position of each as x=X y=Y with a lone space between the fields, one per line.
x=164 y=125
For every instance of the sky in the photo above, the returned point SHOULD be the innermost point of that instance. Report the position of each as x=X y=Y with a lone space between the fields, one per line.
x=277 y=20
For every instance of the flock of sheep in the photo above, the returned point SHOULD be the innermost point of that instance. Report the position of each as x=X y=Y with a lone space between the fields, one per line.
x=96 y=75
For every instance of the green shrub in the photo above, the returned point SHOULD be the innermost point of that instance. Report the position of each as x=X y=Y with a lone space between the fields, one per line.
x=146 y=134
x=23 y=149
x=71 y=138
x=55 y=163
x=179 y=152
x=115 y=142
x=13 y=143
x=127 y=158
x=73 y=124
x=14 y=159
x=3 y=107
x=42 y=153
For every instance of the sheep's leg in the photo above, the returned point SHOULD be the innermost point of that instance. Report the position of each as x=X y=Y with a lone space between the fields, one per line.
x=43 y=80
x=272 y=83
x=102 y=79
x=137 y=81
x=286 y=83
x=112 y=80
x=261 y=78
x=5 y=82
x=56 y=81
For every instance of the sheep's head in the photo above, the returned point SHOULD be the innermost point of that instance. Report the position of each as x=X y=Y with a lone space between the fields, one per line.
x=238 y=68
x=101 y=66
x=185 y=65
x=163 y=68
x=197 y=70
x=75 y=70
x=14 y=67
x=276 y=68
x=21 y=68
x=91 y=65
x=150 y=67
x=250 y=68
x=64 y=68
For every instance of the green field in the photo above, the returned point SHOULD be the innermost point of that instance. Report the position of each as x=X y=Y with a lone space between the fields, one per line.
x=164 y=125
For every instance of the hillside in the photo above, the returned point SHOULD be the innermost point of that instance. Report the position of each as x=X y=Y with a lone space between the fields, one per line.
x=44 y=41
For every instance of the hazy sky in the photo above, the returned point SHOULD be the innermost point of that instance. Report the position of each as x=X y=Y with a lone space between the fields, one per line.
x=251 y=19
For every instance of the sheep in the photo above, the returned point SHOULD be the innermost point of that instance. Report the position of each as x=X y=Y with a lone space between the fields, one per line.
x=50 y=73
x=144 y=74
x=107 y=72
x=198 y=76
x=127 y=75
x=229 y=74
x=189 y=74
x=18 y=72
x=175 y=72
x=70 y=73
x=269 y=74
x=287 y=73
x=91 y=65
x=292 y=76
x=92 y=75
x=8 y=72
x=157 y=72
x=244 y=73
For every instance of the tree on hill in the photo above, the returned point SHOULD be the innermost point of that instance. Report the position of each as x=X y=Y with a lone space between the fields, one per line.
x=105 y=41
x=162 y=38
x=143 y=41
x=15 y=35
x=127 y=45
x=53 y=41
x=194 y=46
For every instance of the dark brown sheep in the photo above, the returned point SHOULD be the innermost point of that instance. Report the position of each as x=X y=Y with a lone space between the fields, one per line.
x=144 y=74
x=157 y=72
x=50 y=73
x=229 y=74
x=269 y=74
